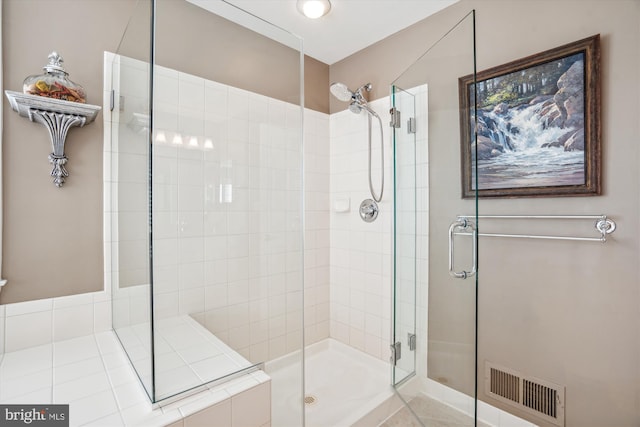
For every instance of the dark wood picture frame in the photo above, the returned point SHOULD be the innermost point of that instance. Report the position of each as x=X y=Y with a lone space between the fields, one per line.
x=533 y=121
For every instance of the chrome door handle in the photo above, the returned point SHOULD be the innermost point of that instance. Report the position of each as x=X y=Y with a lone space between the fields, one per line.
x=464 y=225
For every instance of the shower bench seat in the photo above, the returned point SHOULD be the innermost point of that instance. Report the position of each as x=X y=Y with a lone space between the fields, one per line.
x=94 y=376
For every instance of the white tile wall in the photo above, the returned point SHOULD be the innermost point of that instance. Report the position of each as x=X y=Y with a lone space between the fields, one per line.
x=422 y=229
x=360 y=253
x=227 y=189
x=125 y=204
x=316 y=244
x=412 y=228
x=40 y=322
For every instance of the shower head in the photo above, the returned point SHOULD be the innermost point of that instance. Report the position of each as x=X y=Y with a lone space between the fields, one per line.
x=358 y=101
x=358 y=106
x=354 y=107
x=341 y=91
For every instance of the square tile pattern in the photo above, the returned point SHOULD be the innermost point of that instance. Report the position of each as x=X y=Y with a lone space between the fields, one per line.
x=227 y=192
x=186 y=354
x=93 y=375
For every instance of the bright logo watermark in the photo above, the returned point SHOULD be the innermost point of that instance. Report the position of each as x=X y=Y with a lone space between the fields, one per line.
x=34 y=415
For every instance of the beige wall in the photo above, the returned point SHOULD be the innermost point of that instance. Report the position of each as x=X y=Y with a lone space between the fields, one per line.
x=53 y=236
x=316 y=85
x=252 y=62
x=566 y=312
x=573 y=307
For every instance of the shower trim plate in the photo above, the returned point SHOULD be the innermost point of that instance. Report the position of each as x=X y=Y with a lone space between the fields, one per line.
x=369 y=210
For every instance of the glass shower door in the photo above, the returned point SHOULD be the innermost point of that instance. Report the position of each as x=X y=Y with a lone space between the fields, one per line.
x=435 y=249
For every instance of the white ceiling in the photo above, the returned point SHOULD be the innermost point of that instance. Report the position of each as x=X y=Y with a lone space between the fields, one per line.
x=350 y=26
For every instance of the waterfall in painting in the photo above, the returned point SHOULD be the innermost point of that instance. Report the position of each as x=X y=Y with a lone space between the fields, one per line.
x=531 y=127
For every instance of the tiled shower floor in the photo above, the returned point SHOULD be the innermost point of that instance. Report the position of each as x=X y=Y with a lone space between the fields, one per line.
x=346 y=384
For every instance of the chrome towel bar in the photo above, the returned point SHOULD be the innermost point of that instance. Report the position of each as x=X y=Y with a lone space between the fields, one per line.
x=603 y=225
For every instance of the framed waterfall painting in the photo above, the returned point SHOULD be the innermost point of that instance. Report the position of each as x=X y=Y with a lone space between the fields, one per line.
x=535 y=129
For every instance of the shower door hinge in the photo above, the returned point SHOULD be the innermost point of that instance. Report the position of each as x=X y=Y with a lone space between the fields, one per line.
x=411 y=125
x=396 y=352
x=411 y=339
x=395 y=118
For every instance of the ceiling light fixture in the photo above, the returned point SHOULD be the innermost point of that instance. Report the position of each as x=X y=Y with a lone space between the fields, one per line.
x=314 y=9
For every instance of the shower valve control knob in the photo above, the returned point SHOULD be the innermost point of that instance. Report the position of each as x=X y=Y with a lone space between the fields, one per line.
x=368 y=210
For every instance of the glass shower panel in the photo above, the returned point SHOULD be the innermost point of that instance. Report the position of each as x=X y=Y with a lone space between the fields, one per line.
x=205 y=191
x=128 y=189
x=227 y=196
x=405 y=237
x=428 y=151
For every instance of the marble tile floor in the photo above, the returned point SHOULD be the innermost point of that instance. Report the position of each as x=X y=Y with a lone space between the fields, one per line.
x=432 y=414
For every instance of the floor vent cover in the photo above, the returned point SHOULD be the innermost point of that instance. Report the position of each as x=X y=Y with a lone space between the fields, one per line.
x=505 y=385
x=531 y=395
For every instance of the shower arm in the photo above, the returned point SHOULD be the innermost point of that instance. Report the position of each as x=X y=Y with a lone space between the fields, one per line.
x=367 y=87
x=359 y=98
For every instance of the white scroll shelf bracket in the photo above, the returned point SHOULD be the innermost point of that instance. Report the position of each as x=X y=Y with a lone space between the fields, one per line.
x=58 y=117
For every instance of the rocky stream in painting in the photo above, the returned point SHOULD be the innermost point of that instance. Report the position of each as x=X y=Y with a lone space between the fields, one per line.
x=538 y=142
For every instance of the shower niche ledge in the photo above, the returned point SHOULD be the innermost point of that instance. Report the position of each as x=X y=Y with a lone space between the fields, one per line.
x=58 y=117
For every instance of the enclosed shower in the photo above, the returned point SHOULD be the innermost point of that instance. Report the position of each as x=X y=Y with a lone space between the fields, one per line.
x=239 y=251
x=219 y=270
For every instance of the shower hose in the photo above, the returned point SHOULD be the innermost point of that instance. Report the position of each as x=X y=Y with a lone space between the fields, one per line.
x=373 y=193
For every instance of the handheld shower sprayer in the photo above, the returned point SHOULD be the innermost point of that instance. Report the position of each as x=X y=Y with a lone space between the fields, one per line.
x=358 y=101
x=357 y=104
x=341 y=91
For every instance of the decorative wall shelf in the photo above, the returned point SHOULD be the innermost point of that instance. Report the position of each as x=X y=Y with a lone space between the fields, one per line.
x=58 y=117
